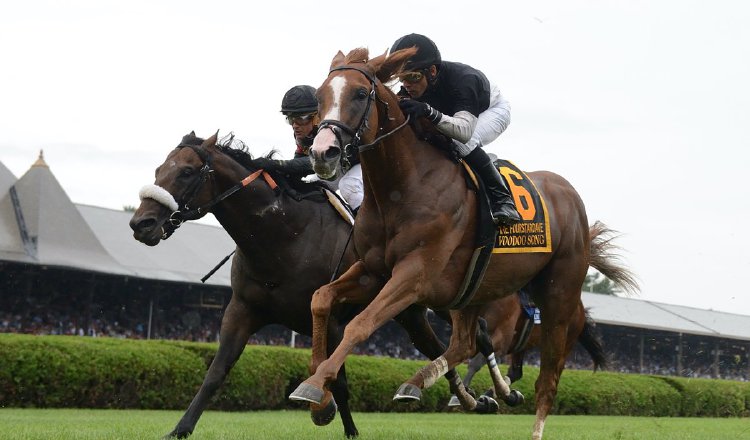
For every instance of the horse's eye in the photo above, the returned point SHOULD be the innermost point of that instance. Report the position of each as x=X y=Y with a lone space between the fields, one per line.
x=186 y=172
x=362 y=94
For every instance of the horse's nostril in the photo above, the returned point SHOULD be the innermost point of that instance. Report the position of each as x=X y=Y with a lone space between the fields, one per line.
x=332 y=153
x=142 y=225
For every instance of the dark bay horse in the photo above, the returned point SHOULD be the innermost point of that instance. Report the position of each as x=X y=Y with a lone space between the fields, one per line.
x=415 y=236
x=289 y=240
x=274 y=233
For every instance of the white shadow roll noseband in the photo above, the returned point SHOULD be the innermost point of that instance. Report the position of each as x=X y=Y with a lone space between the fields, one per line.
x=161 y=195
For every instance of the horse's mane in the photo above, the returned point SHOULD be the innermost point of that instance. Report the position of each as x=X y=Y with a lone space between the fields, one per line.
x=238 y=151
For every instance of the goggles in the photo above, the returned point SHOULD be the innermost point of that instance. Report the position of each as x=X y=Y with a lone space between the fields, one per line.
x=411 y=77
x=299 y=119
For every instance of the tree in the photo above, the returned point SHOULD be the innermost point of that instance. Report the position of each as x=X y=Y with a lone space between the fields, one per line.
x=595 y=282
x=128 y=208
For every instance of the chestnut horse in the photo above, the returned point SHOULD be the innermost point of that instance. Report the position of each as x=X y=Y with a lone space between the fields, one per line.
x=289 y=241
x=415 y=236
x=507 y=321
x=513 y=333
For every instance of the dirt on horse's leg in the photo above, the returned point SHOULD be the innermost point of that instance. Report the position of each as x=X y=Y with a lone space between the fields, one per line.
x=236 y=327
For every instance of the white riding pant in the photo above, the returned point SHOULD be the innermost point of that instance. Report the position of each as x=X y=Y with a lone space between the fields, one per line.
x=351 y=186
x=490 y=124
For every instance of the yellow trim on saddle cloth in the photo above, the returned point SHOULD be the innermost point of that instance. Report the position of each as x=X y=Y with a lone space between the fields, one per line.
x=339 y=207
x=532 y=234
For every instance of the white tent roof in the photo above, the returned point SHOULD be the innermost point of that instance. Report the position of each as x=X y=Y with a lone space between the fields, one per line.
x=632 y=312
x=186 y=256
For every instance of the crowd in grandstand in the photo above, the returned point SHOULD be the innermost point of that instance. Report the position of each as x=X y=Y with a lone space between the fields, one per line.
x=202 y=325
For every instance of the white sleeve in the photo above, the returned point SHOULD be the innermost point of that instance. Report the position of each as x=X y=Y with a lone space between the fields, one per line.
x=459 y=126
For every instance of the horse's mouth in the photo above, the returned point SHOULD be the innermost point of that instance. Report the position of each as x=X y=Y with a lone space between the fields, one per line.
x=149 y=238
x=148 y=230
x=325 y=171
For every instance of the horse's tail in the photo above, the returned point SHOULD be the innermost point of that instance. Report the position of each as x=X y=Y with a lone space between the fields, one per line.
x=605 y=259
x=591 y=341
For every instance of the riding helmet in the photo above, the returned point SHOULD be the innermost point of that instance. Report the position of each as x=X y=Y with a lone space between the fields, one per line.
x=427 y=53
x=299 y=99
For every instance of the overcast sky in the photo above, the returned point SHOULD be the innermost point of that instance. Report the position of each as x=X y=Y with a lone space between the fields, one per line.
x=641 y=105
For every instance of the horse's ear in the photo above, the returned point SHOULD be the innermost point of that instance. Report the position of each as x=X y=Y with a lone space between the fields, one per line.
x=337 y=60
x=392 y=64
x=210 y=142
x=192 y=133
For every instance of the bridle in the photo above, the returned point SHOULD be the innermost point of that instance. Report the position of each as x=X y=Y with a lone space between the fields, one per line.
x=354 y=147
x=183 y=212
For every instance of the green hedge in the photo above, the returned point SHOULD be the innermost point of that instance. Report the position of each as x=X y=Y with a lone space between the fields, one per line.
x=60 y=371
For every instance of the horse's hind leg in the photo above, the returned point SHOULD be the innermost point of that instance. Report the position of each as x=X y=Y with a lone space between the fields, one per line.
x=462 y=345
x=475 y=364
x=236 y=327
x=414 y=321
x=557 y=302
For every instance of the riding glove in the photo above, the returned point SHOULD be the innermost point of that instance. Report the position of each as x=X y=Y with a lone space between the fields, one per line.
x=266 y=163
x=417 y=109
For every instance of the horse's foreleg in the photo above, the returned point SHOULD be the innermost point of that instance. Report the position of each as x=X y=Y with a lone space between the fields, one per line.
x=348 y=285
x=399 y=292
x=354 y=285
x=236 y=327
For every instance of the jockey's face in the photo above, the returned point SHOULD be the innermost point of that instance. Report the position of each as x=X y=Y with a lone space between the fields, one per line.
x=302 y=125
x=416 y=82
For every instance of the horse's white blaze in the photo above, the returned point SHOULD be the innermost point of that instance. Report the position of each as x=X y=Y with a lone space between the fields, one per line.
x=337 y=85
x=323 y=140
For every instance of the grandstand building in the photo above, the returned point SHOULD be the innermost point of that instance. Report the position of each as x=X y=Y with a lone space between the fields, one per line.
x=67 y=268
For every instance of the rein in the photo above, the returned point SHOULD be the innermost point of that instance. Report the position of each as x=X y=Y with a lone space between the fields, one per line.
x=181 y=214
x=192 y=214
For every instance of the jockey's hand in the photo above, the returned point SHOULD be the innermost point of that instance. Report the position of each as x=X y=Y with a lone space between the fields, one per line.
x=416 y=109
x=267 y=164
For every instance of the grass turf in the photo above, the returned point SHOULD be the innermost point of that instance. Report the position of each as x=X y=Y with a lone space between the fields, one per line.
x=82 y=424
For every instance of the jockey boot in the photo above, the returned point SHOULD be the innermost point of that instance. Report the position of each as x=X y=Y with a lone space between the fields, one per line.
x=501 y=202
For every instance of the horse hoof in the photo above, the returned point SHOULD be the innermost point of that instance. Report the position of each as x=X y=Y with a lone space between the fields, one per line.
x=324 y=415
x=407 y=393
x=486 y=405
x=307 y=393
x=177 y=433
x=454 y=401
x=515 y=398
